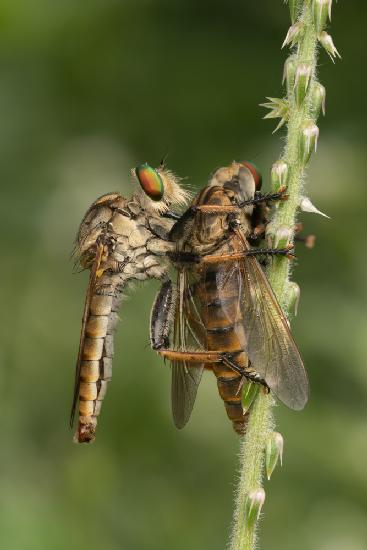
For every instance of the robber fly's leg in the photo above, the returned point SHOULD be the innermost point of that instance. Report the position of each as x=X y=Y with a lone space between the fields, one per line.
x=161 y=316
x=184 y=257
x=180 y=227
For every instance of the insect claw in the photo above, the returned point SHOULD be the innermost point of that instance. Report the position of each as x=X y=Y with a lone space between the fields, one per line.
x=281 y=193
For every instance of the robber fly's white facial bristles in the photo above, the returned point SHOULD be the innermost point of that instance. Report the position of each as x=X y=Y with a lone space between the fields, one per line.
x=173 y=193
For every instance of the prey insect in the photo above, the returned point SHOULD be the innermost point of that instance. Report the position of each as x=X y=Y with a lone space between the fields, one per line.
x=222 y=313
x=120 y=240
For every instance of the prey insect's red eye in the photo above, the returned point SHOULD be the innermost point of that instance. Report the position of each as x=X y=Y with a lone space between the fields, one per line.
x=150 y=181
x=255 y=173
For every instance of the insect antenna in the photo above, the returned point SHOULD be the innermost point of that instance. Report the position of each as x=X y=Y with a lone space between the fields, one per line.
x=162 y=164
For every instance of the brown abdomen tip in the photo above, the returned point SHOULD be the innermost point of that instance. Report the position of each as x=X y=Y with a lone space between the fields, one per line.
x=85 y=432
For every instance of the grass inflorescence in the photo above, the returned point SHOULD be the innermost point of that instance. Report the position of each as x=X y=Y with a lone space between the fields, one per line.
x=299 y=109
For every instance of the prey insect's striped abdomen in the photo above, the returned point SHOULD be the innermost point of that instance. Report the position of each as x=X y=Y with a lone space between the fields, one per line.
x=224 y=331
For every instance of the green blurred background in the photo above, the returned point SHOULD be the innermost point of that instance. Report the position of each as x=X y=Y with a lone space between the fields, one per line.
x=88 y=90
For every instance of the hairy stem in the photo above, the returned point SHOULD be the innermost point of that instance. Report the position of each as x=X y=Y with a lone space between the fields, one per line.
x=300 y=109
x=251 y=469
x=285 y=215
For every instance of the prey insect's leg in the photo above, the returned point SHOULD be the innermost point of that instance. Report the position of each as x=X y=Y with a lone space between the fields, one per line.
x=227 y=358
x=272 y=252
x=191 y=356
x=228 y=209
x=161 y=315
x=208 y=357
x=192 y=258
x=230 y=386
x=248 y=373
x=267 y=197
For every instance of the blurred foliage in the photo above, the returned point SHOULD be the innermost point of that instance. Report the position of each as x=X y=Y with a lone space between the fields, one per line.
x=87 y=90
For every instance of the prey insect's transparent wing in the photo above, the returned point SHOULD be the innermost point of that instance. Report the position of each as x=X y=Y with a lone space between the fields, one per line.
x=270 y=345
x=188 y=335
x=91 y=284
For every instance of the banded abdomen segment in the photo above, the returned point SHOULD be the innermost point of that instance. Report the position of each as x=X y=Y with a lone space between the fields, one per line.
x=222 y=317
x=96 y=362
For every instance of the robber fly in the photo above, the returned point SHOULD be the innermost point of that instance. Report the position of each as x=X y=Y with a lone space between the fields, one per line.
x=222 y=312
x=120 y=240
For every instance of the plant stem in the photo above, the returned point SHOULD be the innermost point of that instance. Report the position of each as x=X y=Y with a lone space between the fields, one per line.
x=303 y=109
x=252 y=462
x=285 y=215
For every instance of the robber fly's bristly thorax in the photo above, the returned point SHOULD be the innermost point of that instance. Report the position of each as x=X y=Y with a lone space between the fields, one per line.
x=120 y=240
x=222 y=314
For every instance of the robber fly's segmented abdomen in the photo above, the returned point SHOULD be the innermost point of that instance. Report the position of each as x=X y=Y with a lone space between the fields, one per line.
x=224 y=332
x=96 y=365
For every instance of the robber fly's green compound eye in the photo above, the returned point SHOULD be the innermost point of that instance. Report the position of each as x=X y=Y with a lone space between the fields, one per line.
x=151 y=181
x=255 y=173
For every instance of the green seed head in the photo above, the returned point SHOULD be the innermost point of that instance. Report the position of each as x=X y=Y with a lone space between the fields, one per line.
x=273 y=452
x=289 y=73
x=308 y=141
x=321 y=11
x=293 y=9
x=306 y=206
x=253 y=505
x=294 y=33
x=279 y=175
x=279 y=237
x=294 y=295
x=318 y=98
x=302 y=82
x=327 y=42
x=278 y=108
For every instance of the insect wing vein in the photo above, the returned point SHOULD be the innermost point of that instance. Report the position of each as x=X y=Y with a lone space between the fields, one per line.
x=270 y=345
x=186 y=376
